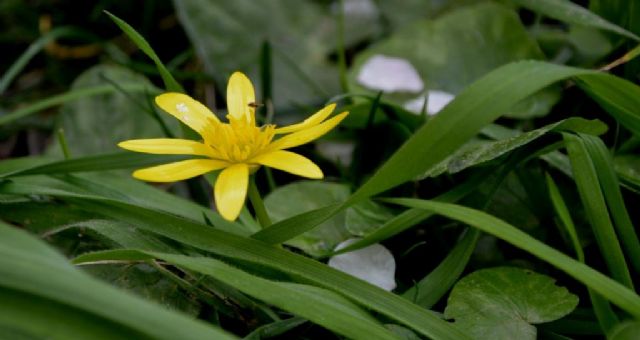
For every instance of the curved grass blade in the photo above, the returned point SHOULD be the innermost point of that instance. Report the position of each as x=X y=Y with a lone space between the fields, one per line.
x=275 y=328
x=606 y=317
x=610 y=186
x=110 y=161
x=34 y=317
x=31 y=267
x=435 y=285
x=615 y=292
x=169 y=82
x=31 y=51
x=411 y=217
x=129 y=191
x=478 y=105
x=321 y=306
x=201 y=236
x=620 y=97
x=591 y=196
x=120 y=233
x=66 y=97
x=571 y=13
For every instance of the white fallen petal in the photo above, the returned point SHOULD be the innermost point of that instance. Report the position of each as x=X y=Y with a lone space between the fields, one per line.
x=374 y=264
x=436 y=101
x=390 y=74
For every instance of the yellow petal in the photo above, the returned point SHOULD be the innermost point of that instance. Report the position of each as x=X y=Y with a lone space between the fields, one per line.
x=179 y=170
x=166 y=146
x=231 y=190
x=241 y=98
x=307 y=135
x=290 y=162
x=189 y=111
x=316 y=119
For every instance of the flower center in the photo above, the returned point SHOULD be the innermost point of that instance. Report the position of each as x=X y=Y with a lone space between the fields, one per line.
x=239 y=142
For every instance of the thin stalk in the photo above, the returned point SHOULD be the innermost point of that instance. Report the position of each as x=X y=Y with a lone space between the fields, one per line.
x=63 y=143
x=270 y=180
x=258 y=204
x=342 y=58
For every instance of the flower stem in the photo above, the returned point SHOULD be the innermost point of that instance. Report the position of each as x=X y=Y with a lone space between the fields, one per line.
x=258 y=205
x=342 y=58
x=63 y=143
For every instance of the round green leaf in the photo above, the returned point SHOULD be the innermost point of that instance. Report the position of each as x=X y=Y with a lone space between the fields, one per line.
x=503 y=302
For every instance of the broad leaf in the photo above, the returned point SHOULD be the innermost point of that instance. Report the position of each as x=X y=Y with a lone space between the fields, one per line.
x=458 y=48
x=96 y=124
x=503 y=302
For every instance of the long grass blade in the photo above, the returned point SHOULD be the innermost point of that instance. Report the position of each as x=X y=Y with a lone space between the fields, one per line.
x=321 y=306
x=29 y=266
x=591 y=196
x=610 y=185
x=67 y=97
x=605 y=314
x=612 y=290
x=170 y=83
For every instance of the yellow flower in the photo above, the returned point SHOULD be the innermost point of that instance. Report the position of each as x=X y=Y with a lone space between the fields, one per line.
x=238 y=147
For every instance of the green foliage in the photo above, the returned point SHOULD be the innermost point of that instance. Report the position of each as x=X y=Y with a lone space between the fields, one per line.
x=94 y=133
x=51 y=286
x=453 y=51
x=503 y=302
x=532 y=168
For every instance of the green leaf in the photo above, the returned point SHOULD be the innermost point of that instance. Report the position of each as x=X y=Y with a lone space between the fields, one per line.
x=147 y=282
x=477 y=153
x=301 y=71
x=628 y=170
x=620 y=97
x=626 y=331
x=321 y=306
x=202 y=236
x=275 y=328
x=127 y=190
x=503 y=302
x=101 y=162
x=365 y=217
x=569 y=12
x=124 y=235
x=402 y=13
x=49 y=214
x=31 y=51
x=299 y=197
x=458 y=48
x=96 y=124
x=411 y=217
x=170 y=83
x=48 y=276
x=615 y=292
x=428 y=291
x=585 y=175
x=478 y=105
x=603 y=163
x=72 y=95
x=30 y=317
x=605 y=314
